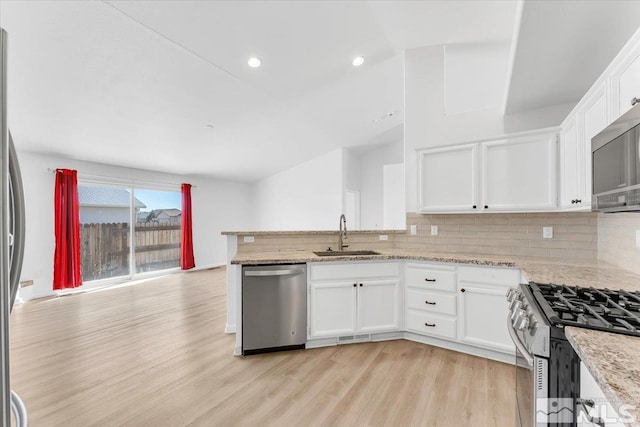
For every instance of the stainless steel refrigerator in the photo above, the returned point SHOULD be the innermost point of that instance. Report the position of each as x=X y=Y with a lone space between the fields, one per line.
x=11 y=246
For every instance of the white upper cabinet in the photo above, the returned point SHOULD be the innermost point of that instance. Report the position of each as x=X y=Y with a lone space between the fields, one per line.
x=448 y=179
x=571 y=166
x=625 y=81
x=593 y=117
x=611 y=96
x=513 y=174
x=519 y=174
x=590 y=117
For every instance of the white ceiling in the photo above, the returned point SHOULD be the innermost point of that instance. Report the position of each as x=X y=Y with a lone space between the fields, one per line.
x=133 y=83
x=563 y=47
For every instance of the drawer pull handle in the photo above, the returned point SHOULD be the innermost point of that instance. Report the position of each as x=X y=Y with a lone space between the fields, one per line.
x=429 y=280
x=430 y=302
x=430 y=324
x=463 y=290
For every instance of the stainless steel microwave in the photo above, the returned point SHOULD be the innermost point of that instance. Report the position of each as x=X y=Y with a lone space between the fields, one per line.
x=615 y=156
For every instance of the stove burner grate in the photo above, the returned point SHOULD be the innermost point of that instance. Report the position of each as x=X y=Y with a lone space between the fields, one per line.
x=602 y=309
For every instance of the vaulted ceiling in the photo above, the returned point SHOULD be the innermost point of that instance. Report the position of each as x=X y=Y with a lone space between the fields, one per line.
x=135 y=83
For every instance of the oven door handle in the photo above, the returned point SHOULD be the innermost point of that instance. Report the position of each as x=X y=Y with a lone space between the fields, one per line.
x=519 y=345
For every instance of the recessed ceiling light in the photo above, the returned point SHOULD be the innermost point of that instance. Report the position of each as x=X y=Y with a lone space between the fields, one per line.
x=254 y=62
x=358 y=61
x=209 y=126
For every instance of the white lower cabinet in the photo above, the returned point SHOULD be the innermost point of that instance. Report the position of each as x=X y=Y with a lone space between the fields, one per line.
x=350 y=298
x=483 y=306
x=377 y=305
x=594 y=408
x=332 y=308
x=430 y=299
x=463 y=304
x=426 y=323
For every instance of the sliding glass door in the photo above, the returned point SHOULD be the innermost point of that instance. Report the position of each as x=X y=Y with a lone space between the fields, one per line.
x=105 y=231
x=157 y=230
x=126 y=231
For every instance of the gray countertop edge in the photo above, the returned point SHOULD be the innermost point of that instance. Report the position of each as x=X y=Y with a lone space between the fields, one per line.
x=306 y=257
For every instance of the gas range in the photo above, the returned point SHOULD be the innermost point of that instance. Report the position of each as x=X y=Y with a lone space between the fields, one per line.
x=539 y=312
x=601 y=309
x=547 y=367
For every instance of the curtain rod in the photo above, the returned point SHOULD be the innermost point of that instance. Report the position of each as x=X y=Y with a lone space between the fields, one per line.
x=134 y=181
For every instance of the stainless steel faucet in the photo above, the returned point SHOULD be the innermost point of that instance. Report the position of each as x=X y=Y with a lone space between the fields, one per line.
x=342 y=233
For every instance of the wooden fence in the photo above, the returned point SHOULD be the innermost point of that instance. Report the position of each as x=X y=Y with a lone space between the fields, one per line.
x=105 y=248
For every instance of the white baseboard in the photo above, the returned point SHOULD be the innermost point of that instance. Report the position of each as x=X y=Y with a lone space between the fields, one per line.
x=462 y=348
x=206 y=267
x=422 y=339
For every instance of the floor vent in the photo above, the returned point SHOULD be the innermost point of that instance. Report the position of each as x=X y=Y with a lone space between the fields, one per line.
x=354 y=338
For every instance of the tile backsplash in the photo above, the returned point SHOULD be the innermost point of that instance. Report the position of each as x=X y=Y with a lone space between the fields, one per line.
x=617 y=240
x=575 y=234
x=315 y=242
x=587 y=236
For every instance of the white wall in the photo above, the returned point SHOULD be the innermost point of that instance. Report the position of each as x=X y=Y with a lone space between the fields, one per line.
x=308 y=196
x=475 y=76
x=217 y=206
x=371 y=182
x=394 y=216
x=427 y=125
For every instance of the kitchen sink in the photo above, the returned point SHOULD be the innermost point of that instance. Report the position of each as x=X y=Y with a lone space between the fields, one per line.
x=345 y=253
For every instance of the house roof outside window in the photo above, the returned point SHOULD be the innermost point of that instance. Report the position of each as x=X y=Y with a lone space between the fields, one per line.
x=106 y=197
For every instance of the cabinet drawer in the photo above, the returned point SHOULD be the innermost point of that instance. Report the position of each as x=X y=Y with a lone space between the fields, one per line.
x=430 y=278
x=489 y=275
x=440 y=326
x=353 y=270
x=431 y=302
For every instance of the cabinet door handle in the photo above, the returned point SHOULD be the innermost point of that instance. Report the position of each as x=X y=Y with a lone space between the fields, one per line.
x=635 y=100
x=355 y=284
x=360 y=284
x=474 y=206
x=463 y=290
x=429 y=280
x=431 y=325
x=486 y=206
x=430 y=302
x=578 y=200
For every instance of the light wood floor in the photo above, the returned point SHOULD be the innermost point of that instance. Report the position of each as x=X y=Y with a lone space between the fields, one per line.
x=155 y=354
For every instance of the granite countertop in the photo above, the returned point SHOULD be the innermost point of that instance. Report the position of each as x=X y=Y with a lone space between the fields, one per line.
x=616 y=372
x=613 y=361
x=597 y=274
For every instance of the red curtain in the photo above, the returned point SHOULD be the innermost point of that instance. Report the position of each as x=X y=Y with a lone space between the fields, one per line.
x=186 y=256
x=66 y=259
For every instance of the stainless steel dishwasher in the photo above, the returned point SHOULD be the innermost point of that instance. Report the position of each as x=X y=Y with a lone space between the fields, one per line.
x=274 y=308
